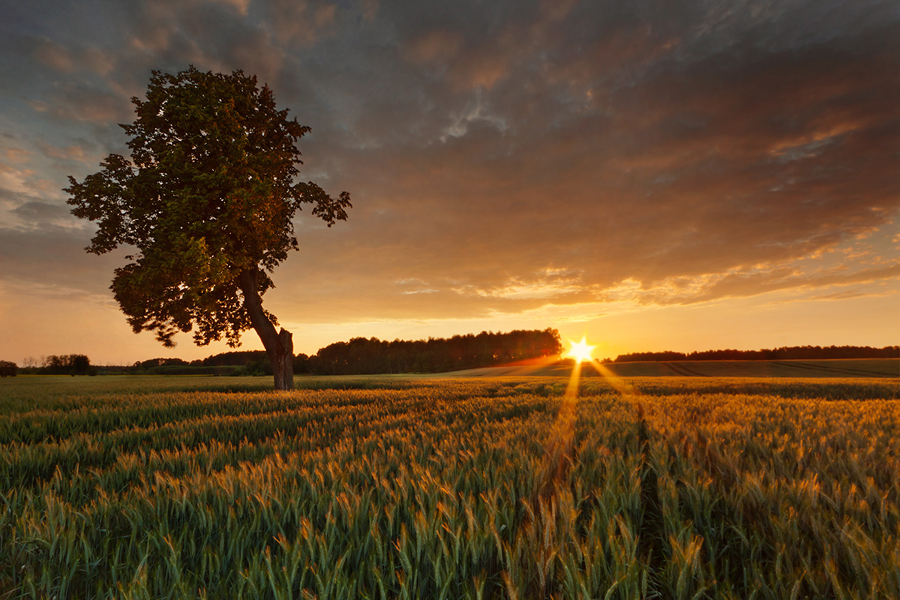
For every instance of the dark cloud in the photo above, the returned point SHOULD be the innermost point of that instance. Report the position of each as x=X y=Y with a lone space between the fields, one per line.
x=503 y=155
x=705 y=160
x=85 y=103
x=54 y=257
x=40 y=211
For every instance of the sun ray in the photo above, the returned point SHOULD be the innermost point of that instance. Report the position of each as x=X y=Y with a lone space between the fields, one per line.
x=614 y=380
x=559 y=446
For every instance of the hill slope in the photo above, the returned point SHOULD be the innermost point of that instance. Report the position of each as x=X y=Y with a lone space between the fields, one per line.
x=862 y=367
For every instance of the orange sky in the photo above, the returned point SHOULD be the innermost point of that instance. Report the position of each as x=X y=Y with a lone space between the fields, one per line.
x=672 y=175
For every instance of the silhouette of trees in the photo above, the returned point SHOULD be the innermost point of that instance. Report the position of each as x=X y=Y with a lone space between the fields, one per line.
x=8 y=369
x=207 y=200
x=786 y=353
x=233 y=358
x=435 y=355
x=159 y=362
x=66 y=364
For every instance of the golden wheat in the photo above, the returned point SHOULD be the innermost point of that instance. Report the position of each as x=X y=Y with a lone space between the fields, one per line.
x=430 y=488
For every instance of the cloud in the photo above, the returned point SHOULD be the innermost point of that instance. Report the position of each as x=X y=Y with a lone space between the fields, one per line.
x=42 y=212
x=755 y=283
x=14 y=182
x=78 y=101
x=69 y=60
x=301 y=23
x=54 y=55
x=657 y=153
x=697 y=158
x=481 y=68
x=16 y=155
x=435 y=47
x=240 y=5
x=843 y=295
x=54 y=257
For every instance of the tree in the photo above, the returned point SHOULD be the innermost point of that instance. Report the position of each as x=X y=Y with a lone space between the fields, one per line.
x=66 y=364
x=207 y=199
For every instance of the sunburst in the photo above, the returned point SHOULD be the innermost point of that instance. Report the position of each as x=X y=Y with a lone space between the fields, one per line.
x=581 y=351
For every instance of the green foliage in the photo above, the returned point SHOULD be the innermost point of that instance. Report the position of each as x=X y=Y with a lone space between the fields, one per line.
x=209 y=193
x=385 y=487
x=258 y=367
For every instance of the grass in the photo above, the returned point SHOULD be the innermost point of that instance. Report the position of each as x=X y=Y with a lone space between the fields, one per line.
x=396 y=487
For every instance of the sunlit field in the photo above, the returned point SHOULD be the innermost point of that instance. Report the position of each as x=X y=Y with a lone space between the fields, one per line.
x=398 y=487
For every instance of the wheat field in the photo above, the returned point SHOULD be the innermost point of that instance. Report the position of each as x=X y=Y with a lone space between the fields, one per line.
x=393 y=487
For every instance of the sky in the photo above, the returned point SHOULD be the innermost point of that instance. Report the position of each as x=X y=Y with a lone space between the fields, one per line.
x=653 y=174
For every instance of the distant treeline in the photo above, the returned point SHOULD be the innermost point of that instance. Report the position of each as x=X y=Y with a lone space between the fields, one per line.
x=361 y=356
x=63 y=364
x=786 y=353
x=435 y=355
x=248 y=362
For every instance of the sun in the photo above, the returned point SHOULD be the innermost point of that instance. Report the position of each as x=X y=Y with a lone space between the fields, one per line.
x=581 y=352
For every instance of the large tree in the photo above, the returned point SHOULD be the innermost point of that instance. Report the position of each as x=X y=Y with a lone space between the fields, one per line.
x=207 y=200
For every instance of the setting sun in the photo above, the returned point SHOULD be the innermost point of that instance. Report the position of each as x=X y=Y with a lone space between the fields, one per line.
x=581 y=351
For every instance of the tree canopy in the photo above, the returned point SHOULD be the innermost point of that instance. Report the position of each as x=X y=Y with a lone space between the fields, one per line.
x=361 y=355
x=207 y=200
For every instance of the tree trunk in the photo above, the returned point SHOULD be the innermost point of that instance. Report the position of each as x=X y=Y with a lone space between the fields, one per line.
x=279 y=344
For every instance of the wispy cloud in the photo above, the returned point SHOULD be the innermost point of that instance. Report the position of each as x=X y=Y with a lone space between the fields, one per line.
x=504 y=157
